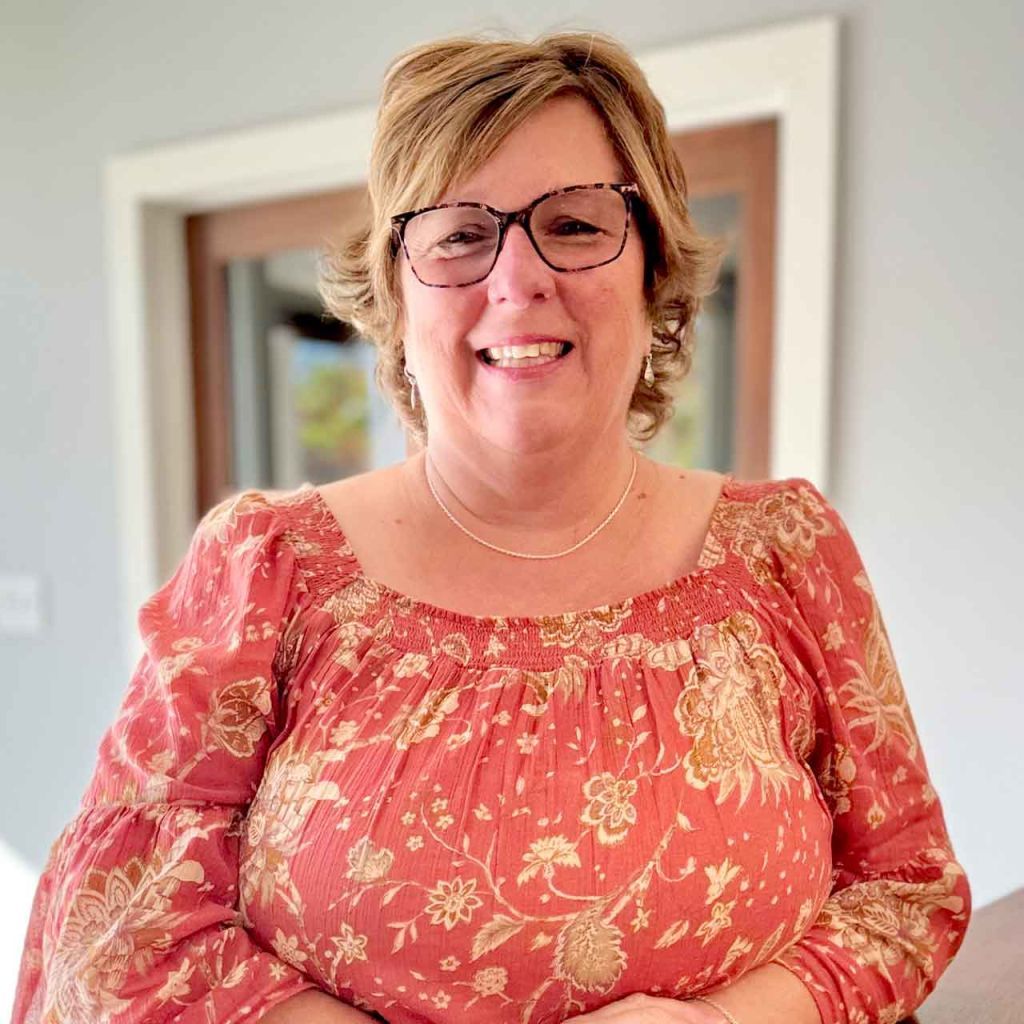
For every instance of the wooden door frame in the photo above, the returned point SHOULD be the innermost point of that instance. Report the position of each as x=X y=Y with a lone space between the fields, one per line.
x=213 y=241
x=742 y=160
x=789 y=72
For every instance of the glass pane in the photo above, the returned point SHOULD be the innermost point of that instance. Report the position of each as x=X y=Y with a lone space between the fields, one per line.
x=304 y=402
x=700 y=433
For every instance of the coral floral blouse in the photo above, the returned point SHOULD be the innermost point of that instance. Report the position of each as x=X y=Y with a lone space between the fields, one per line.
x=317 y=781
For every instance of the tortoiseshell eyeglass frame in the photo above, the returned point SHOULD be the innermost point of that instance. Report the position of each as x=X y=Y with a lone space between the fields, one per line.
x=629 y=191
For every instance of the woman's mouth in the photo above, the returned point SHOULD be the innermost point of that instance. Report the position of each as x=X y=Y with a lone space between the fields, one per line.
x=530 y=354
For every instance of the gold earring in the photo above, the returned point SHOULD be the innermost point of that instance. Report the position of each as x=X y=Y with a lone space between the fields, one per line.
x=411 y=380
x=649 y=371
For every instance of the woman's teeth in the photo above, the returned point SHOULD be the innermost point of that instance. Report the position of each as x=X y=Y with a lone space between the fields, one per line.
x=525 y=355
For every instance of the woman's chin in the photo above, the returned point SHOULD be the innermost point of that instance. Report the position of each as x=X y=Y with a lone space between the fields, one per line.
x=533 y=435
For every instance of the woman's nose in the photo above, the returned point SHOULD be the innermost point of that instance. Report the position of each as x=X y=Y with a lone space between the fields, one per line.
x=519 y=275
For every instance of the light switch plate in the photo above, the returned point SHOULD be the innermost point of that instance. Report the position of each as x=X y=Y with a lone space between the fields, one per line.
x=21 y=612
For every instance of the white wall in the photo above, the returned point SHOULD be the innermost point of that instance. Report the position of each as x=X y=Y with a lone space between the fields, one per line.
x=928 y=344
x=17 y=882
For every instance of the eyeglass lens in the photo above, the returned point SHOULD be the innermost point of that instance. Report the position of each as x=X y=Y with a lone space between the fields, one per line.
x=571 y=231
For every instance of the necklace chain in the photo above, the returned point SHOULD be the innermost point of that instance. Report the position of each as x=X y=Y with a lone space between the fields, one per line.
x=521 y=554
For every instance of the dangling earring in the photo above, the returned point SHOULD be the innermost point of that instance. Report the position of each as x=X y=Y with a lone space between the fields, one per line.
x=412 y=387
x=649 y=371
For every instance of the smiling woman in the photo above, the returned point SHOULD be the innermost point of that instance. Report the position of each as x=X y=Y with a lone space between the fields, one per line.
x=446 y=111
x=527 y=728
x=587 y=297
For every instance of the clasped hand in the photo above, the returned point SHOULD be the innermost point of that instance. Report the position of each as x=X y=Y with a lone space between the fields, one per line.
x=640 y=1008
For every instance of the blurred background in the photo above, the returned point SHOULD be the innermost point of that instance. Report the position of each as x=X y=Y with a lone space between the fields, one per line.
x=924 y=417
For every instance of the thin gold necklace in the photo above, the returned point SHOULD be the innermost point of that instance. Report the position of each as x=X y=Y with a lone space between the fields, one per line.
x=522 y=554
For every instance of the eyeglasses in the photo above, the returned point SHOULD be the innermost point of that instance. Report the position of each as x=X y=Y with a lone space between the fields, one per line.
x=572 y=229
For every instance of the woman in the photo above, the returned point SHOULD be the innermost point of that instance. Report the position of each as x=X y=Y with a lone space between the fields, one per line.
x=371 y=767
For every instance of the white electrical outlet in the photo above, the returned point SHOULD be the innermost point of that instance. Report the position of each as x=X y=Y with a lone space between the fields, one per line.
x=21 y=612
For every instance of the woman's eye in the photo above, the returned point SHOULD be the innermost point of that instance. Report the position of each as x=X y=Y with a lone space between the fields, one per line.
x=574 y=227
x=460 y=242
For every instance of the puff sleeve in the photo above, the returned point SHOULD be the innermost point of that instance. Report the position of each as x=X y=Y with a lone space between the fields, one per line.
x=136 y=914
x=899 y=902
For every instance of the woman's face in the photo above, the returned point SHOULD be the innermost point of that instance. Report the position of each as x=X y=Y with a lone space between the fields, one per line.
x=583 y=397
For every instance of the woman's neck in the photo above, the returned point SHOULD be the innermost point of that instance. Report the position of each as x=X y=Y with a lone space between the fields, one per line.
x=542 y=499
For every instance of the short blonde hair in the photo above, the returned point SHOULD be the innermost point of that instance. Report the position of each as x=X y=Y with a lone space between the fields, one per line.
x=445 y=108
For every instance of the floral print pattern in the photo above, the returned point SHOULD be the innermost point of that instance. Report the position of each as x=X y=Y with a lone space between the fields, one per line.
x=730 y=711
x=317 y=781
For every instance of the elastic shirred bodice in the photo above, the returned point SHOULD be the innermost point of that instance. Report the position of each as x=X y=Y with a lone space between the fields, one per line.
x=653 y=617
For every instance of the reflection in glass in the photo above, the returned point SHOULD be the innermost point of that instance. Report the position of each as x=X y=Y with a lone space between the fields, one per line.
x=700 y=433
x=305 y=406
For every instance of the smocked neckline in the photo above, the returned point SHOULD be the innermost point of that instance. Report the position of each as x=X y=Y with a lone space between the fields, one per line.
x=653 y=598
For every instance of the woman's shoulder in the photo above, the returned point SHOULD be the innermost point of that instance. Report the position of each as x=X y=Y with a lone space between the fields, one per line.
x=759 y=503
x=731 y=487
x=249 y=512
x=764 y=521
x=757 y=488
x=269 y=506
x=352 y=497
x=297 y=520
x=766 y=499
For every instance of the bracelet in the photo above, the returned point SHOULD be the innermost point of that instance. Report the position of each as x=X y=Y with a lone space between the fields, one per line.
x=730 y=1019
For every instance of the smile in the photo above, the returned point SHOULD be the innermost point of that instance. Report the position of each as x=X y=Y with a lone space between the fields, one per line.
x=531 y=354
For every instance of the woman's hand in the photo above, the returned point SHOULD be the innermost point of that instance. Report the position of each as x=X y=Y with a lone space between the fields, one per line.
x=315 y=1007
x=640 y=1008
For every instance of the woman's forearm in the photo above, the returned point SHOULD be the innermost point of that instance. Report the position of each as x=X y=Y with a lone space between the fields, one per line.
x=315 y=1007
x=769 y=994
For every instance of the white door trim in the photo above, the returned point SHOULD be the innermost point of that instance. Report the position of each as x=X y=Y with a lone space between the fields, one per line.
x=789 y=72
